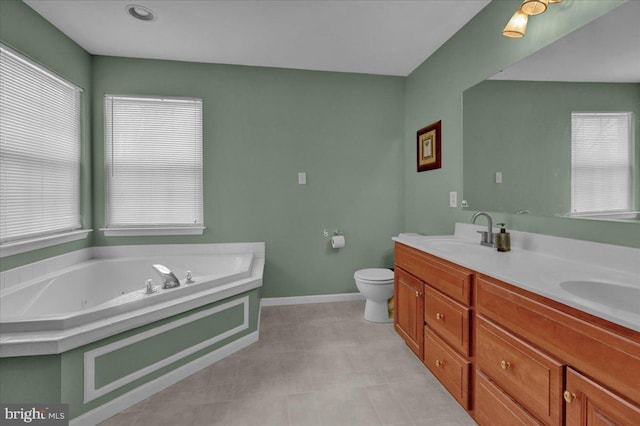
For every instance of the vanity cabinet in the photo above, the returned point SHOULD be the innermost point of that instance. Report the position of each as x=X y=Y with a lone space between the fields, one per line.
x=445 y=320
x=549 y=340
x=513 y=357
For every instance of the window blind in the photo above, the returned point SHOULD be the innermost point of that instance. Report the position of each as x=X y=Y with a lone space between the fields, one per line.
x=601 y=166
x=153 y=149
x=39 y=150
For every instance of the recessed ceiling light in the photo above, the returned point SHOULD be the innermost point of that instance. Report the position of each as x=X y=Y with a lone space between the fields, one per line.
x=140 y=12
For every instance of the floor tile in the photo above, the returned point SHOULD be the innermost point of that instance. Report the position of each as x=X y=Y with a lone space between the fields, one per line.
x=303 y=410
x=319 y=364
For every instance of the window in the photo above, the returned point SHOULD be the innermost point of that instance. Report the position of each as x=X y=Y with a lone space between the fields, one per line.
x=153 y=158
x=601 y=166
x=39 y=155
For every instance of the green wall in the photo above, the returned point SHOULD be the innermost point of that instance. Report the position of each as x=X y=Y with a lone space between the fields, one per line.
x=353 y=134
x=261 y=126
x=434 y=92
x=27 y=32
x=523 y=129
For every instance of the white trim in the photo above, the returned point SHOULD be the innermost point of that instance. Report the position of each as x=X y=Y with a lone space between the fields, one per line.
x=90 y=391
x=320 y=298
x=151 y=231
x=17 y=247
x=144 y=391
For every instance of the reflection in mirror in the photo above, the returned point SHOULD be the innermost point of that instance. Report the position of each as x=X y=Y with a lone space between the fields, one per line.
x=552 y=127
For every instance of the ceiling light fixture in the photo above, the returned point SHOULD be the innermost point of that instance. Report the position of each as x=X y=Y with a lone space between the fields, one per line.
x=517 y=25
x=140 y=12
x=534 y=7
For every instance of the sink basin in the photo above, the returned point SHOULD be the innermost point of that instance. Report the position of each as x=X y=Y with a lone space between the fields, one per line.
x=613 y=295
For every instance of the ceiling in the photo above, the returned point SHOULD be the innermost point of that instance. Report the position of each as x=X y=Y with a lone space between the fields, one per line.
x=375 y=37
x=606 y=50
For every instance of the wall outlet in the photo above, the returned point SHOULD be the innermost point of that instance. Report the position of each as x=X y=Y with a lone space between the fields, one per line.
x=453 y=199
x=302 y=178
x=498 y=177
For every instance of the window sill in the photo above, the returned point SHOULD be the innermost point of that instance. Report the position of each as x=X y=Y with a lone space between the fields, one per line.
x=17 y=247
x=152 y=231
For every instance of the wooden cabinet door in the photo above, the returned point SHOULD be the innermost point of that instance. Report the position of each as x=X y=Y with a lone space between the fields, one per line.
x=589 y=404
x=409 y=309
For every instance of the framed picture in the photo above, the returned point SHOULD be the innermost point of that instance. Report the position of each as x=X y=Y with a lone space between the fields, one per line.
x=428 y=147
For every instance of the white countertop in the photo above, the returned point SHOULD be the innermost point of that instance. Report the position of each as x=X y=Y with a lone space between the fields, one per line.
x=600 y=279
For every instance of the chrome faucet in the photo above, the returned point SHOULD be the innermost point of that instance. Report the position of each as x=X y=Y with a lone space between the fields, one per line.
x=169 y=280
x=487 y=236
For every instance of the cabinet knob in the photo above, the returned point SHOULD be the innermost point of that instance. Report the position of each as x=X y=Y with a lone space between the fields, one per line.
x=439 y=316
x=569 y=397
x=439 y=363
x=505 y=364
x=417 y=293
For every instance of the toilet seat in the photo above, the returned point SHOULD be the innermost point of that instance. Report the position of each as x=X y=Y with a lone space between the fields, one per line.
x=374 y=275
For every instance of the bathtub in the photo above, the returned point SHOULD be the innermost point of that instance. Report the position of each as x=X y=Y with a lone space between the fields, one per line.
x=105 y=294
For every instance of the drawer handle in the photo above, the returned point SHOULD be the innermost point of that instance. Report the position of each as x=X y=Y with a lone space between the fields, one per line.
x=569 y=397
x=505 y=364
x=439 y=363
x=440 y=317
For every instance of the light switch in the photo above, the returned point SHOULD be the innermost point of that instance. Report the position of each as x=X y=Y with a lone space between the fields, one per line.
x=453 y=199
x=498 y=177
x=302 y=178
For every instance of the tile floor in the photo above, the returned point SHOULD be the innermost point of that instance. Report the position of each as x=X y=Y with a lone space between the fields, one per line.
x=319 y=364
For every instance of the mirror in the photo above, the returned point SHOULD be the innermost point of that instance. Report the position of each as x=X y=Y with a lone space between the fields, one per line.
x=518 y=124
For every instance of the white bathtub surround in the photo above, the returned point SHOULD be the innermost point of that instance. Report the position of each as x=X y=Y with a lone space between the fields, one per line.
x=22 y=274
x=142 y=392
x=540 y=263
x=102 y=293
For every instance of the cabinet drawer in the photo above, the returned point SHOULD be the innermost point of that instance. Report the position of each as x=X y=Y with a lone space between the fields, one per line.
x=610 y=353
x=448 y=318
x=450 y=279
x=450 y=368
x=529 y=376
x=495 y=408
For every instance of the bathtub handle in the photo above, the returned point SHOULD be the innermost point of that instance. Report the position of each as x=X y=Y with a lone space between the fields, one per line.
x=149 y=287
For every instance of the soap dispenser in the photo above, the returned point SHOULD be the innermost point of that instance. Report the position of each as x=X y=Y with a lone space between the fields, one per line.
x=503 y=239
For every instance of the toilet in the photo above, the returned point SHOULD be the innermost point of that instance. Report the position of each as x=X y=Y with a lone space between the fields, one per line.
x=376 y=285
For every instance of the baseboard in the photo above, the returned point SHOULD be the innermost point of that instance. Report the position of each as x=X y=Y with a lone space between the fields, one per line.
x=320 y=298
x=144 y=391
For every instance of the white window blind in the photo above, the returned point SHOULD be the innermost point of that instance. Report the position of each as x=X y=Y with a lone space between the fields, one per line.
x=39 y=150
x=601 y=166
x=153 y=149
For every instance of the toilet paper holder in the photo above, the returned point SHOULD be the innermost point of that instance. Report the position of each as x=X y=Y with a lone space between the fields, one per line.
x=336 y=232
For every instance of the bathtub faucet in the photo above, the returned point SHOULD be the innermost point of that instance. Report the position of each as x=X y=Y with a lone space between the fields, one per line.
x=169 y=280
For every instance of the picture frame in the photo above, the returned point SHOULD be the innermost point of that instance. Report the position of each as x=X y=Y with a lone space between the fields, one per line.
x=428 y=147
